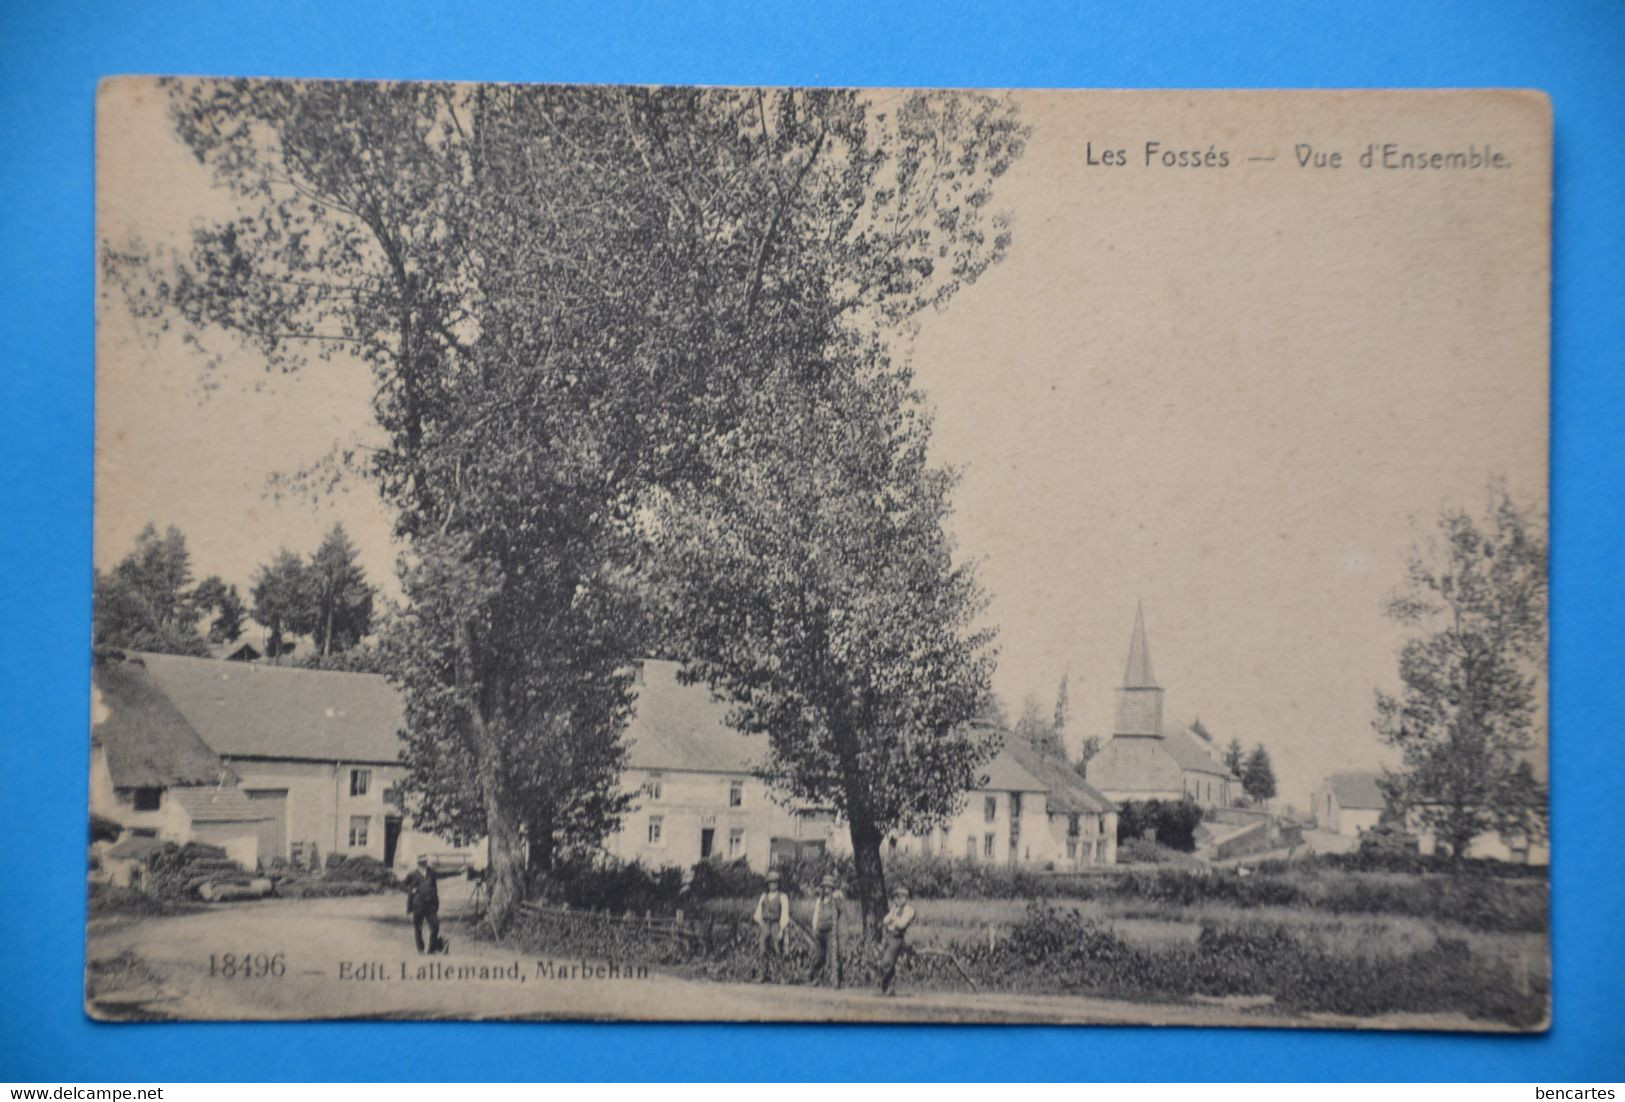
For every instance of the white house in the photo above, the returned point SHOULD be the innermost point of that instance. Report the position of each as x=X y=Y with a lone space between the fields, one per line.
x=697 y=796
x=151 y=773
x=1349 y=803
x=1148 y=760
x=317 y=752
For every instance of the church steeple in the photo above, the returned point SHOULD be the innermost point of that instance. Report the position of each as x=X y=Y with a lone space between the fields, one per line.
x=1139 y=674
x=1139 y=701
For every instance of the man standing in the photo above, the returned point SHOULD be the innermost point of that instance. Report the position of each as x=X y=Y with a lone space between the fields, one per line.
x=772 y=920
x=894 y=929
x=423 y=904
x=826 y=922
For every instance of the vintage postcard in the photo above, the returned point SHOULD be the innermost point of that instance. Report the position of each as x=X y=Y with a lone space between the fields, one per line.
x=820 y=555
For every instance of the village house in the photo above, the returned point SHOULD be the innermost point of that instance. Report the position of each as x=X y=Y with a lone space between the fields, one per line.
x=698 y=796
x=1349 y=803
x=1148 y=760
x=152 y=773
x=316 y=752
x=305 y=763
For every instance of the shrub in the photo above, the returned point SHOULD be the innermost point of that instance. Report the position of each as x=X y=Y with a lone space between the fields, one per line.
x=360 y=868
x=1172 y=823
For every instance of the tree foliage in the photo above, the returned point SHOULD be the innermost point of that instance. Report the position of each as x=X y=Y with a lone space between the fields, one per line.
x=1235 y=757
x=146 y=602
x=214 y=596
x=569 y=299
x=816 y=591
x=1258 y=776
x=1465 y=718
x=281 y=596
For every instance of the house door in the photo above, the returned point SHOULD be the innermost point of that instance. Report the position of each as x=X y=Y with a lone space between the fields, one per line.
x=708 y=837
x=392 y=835
x=273 y=831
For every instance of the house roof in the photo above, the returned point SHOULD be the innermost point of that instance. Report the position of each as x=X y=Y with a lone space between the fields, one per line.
x=683 y=727
x=1190 y=751
x=1007 y=773
x=252 y=710
x=148 y=743
x=1357 y=790
x=1067 y=792
x=216 y=804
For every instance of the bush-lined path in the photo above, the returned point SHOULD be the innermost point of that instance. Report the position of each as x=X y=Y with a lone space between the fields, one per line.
x=319 y=937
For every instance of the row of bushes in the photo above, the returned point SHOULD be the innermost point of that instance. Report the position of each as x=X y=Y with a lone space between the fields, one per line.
x=1056 y=950
x=1506 y=905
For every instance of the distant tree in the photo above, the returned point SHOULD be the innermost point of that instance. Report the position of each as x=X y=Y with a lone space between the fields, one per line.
x=144 y=602
x=1476 y=593
x=214 y=596
x=340 y=611
x=1091 y=746
x=1063 y=711
x=282 y=600
x=1200 y=730
x=1039 y=732
x=1258 y=776
x=1234 y=757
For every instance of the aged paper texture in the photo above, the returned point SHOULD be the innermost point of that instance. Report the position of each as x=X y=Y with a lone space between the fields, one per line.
x=820 y=555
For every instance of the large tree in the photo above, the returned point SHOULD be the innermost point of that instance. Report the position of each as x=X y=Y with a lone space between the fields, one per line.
x=1465 y=718
x=145 y=602
x=566 y=296
x=340 y=611
x=282 y=601
x=816 y=590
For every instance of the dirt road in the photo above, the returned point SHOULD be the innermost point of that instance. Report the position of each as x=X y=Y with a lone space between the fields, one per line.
x=354 y=958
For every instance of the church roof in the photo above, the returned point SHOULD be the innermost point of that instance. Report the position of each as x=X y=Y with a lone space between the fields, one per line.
x=1189 y=750
x=1139 y=674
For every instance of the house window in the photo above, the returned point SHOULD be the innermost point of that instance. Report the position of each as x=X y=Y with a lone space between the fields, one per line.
x=736 y=793
x=1071 y=848
x=656 y=823
x=987 y=846
x=1209 y=791
x=990 y=808
x=653 y=785
x=1071 y=827
x=736 y=842
x=970 y=848
x=358 y=831
x=391 y=795
x=360 y=781
x=147 y=799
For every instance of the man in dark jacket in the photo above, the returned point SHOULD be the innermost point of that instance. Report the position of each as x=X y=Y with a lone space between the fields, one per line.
x=423 y=904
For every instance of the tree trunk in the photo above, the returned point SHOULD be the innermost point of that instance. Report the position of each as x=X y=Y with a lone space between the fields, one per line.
x=871 y=873
x=506 y=840
x=327 y=634
x=502 y=825
x=539 y=841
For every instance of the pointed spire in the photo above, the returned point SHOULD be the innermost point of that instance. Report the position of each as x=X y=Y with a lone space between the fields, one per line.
x=1139 y=674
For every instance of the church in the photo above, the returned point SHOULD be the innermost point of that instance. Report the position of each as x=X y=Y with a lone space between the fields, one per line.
x=1146 y=760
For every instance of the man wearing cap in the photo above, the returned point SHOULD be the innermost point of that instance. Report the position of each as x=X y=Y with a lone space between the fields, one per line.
x=423 y=904
x=826 y=920
x=772 y=920
x=894 y=930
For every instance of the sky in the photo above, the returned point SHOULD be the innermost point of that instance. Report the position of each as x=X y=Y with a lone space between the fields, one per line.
x=1236 y=395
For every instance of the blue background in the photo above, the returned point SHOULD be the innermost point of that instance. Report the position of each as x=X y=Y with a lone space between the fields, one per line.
x=51 y=57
